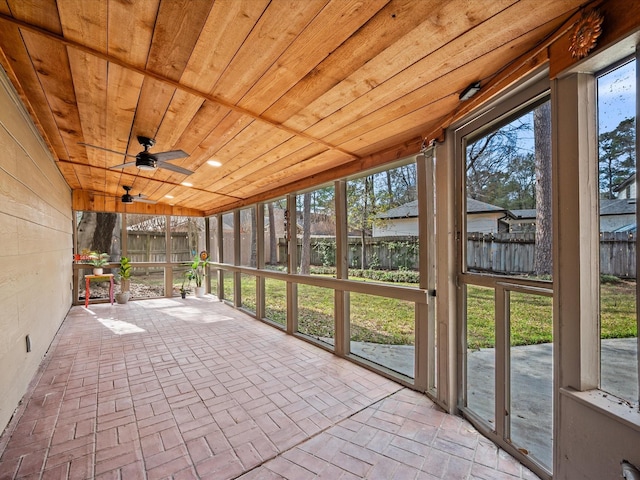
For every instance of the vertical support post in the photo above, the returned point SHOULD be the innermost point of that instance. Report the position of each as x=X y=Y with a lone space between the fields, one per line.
x=207 y=247
x=168 y=269
x=237 y=276
x=637 y=218
x=576 y=243
x=447 y=298
x=260 y=289
x=501 y=373
x=341 y=297
x=220 y=249
x=292 y=265
x=422 y=318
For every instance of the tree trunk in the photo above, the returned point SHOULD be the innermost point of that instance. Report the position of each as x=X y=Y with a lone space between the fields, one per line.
x=543 y=262
x=273 y=245
x=305 y=256
x=102 y=235
x=363 y=250
x=391 y=200
x=86 y=229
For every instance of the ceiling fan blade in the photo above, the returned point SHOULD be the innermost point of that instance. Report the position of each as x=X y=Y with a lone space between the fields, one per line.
x=105 y=149
x=174 y=168
x=170 y=155
x=128 y=164
x=140 y=198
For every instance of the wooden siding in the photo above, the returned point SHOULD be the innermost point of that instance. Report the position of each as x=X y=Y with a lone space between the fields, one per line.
x=36 y=239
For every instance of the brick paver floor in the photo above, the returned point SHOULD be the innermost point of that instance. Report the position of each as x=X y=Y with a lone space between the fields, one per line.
x=195 y=389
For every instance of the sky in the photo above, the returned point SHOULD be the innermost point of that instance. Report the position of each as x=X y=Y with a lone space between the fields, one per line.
x=616 y=96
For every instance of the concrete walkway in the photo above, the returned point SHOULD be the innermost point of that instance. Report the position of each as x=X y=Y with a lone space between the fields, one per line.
x=531 y=384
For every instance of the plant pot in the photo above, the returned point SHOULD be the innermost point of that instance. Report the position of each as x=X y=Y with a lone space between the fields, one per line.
x=199 y=292
x=97 y=271
x=122 y=297
x=183 y=294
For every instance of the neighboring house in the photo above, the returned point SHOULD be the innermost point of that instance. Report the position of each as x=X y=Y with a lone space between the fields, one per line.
x=628 y=188
x=524 y=220
x=486 y=218
x=481 y=217
x=401 y=221
x=616 y=214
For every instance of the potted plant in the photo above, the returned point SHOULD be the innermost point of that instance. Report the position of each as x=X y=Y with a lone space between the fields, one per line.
x=186 y=277
x=198 y=271
x=98 y=260
x=125 y=275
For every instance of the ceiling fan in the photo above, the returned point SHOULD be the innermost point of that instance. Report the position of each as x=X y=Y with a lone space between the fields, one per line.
x=146 y=160
x=128 y=198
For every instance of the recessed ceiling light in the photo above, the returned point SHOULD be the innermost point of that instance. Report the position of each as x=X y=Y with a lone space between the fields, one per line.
x=214 y=163
x=168 y=196
x=186 y=184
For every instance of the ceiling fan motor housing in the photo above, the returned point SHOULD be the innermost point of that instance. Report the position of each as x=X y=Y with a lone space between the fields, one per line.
x=146 y=161
x=127 y=198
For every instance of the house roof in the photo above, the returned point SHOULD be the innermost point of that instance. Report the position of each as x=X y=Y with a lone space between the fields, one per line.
x=524 y=213
x=631 y=179
x=284 y=95
x=403 y=211
x=476 y=206
x=618 y=206
x=410 y=209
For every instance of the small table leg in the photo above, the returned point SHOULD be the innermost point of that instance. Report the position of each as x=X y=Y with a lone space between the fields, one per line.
x=111 y=289
x=86 y=292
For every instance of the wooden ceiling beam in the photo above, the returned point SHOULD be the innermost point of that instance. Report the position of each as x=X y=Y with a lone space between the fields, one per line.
x=155 y=182
x=168 y=81
x=98 y=202
x=411 y=147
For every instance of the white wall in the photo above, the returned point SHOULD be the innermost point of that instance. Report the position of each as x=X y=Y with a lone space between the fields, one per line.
x=596 y=440
x=397 y=227
x=483 y=222
x=36 y=252
x=476 y=222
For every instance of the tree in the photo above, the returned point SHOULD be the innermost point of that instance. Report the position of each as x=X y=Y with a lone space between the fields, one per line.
x=498 y=166
x=520 y=185
x=617 y=156
x=102 y=235
x=368 y=197
x=361 y=211
x=543 y=263
x=305 y=257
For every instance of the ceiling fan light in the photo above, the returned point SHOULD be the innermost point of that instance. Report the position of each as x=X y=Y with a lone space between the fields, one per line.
x=146 y=161
x=126 y=198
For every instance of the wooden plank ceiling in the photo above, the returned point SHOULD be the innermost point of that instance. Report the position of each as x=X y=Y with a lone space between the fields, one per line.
x=282 y=93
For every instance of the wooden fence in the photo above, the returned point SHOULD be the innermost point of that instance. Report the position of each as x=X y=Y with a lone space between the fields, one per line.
x=151 y=247
x=385 y=253
x=514 y=253
x=502 y=253
x=618 y=254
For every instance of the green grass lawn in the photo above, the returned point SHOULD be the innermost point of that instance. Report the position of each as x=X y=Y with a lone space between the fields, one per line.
x=390 y=321
x=531 y=315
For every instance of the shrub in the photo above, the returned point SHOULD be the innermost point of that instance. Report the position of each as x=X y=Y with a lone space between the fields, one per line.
x=609 y=279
